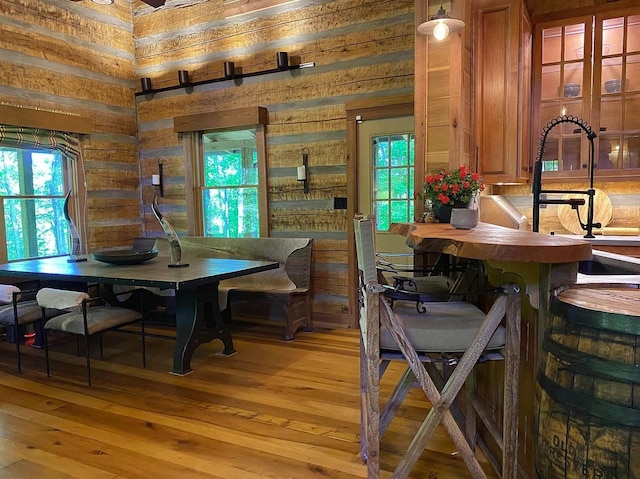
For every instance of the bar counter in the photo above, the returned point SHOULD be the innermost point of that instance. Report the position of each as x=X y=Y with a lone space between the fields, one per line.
x=492 y=242
x=537 y=263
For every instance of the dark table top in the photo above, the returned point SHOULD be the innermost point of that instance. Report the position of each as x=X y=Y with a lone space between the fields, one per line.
x=152 y=273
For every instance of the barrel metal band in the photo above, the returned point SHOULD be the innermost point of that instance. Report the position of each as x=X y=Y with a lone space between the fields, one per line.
x=605 y=411
x=592 y=365
x=618 y=323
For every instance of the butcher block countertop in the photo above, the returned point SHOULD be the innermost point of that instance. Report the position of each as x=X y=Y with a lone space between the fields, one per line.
x=493 y=243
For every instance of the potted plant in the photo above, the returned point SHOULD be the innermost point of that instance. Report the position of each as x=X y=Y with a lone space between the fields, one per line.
x=451 y=189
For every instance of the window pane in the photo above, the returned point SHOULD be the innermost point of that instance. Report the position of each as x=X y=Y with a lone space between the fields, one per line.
x=230 y=197
x=230 y=168
x=400 y=183
x=399 y=150
x=381 y=212
x=551 y=38
x=381 y=184
x=231 y=212
x=608 y=152
x=612 y=34
x=393 y=178
x=631 y=152
x=571 y=154
x=399 y=211
x=34 y=227
x=633 y=33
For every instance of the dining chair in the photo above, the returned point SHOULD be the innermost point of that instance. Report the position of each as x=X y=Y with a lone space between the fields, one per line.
x=441 y=342
x=85 y=316
x=18 y=307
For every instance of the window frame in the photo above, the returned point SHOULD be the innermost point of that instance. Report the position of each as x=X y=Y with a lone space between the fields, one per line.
x=73 y=168
x=192 y=127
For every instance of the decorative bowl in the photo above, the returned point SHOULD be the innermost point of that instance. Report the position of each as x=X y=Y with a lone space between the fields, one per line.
x=612 y=86
x=125 y=256
x=571 y=90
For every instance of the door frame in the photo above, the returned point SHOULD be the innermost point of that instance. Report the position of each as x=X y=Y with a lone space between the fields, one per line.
x=357 y=111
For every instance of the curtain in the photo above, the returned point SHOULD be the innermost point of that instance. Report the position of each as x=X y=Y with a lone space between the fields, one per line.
x=66 y=143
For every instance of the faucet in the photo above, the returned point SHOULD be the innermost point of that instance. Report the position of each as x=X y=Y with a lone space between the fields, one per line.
x=573 y=202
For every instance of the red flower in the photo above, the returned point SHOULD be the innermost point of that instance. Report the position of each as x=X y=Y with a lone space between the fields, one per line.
x=445 y=187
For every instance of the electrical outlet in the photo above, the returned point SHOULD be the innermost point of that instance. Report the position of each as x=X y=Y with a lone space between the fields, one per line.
x=339 y=203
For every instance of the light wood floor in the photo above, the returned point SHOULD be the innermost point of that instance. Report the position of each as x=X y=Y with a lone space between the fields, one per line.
x=274 y=410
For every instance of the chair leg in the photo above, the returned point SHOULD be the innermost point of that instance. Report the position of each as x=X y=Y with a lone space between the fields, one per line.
x=46 y=348
x=16 y=333
x=86 y=343
x=144 y=350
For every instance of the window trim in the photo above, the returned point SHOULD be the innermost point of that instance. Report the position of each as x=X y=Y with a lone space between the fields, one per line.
x=191 y=127
x=73 y=168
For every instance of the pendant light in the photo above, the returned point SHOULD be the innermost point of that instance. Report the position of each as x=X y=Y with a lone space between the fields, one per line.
x=103 y=2
x=440 y=25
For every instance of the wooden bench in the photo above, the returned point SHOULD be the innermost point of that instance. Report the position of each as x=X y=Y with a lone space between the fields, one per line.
x=284 y=290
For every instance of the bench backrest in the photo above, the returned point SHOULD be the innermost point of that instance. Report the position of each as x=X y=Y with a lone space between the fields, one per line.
x=293 y=254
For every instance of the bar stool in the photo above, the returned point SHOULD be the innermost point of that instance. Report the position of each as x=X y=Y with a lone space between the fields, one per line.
x=453 y=331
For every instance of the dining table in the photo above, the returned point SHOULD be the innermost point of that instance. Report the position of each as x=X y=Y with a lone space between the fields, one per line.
x=198 y=316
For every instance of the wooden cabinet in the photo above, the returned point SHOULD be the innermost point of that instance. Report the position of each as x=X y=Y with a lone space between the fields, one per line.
x=589 y=67
x=501 y=90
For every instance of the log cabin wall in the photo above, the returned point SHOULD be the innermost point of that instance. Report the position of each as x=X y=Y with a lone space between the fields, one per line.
x=362 y=50
x=77 y=58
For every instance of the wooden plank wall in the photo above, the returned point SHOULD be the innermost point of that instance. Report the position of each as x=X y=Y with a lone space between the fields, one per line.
x=361 y=49
x=78 y=58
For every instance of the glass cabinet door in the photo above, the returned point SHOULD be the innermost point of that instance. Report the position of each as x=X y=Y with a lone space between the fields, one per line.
x=589 y=67
x=565 y=90
x=617 y=96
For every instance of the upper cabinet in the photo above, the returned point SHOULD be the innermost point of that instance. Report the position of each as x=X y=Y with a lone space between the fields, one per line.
x=589 y=67
x=501 y=90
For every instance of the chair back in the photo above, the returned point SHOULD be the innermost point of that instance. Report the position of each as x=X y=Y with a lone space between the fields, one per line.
x=365 y=249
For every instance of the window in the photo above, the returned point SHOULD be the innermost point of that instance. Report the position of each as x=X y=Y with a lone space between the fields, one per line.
x=32 y=189
x=392 y=179
x=230 y=189
x=226 y=153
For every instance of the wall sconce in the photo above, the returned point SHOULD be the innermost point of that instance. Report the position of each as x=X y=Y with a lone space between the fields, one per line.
x=282 y=59
x=440 y=25
x=147 y=87
x=156 y=180
x=302 y=170
x=183 y=77
x=229 y=70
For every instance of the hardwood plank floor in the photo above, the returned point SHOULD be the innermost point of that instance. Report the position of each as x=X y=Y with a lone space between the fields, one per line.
x=274 y=410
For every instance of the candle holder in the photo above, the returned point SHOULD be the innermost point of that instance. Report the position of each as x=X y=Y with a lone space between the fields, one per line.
x=302 y=171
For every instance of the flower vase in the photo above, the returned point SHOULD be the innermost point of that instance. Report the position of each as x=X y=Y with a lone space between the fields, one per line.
x=464 y=218
x=443 y=213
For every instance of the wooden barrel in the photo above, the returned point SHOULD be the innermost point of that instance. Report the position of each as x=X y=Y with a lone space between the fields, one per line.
x=589 y=384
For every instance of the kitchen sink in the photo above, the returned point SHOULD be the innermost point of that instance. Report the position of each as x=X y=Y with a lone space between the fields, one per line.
x=596 y=267
x=607 y=267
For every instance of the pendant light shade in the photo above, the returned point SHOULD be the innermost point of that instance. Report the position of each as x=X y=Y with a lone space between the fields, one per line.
x=103 y=2
x=440 y=25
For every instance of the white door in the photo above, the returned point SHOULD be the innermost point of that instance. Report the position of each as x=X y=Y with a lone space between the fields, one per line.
x=386 y=179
